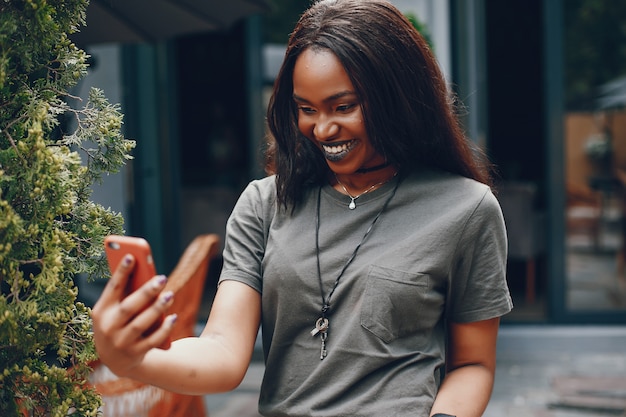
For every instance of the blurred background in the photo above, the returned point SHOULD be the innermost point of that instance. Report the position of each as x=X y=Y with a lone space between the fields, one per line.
x=543 y=84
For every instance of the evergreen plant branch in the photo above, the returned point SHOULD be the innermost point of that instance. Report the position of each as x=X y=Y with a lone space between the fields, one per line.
x=51 y=153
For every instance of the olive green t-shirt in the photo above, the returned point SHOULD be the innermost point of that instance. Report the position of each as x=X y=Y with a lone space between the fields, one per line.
x=438 y=251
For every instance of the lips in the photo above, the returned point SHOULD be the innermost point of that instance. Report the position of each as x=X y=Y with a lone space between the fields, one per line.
x=338 y=150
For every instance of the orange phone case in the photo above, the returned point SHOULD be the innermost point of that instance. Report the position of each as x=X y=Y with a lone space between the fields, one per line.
x=116 y=247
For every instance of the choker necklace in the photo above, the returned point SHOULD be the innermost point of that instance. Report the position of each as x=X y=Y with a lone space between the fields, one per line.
x=322 y=323
x=352 y=204
x=374 y=168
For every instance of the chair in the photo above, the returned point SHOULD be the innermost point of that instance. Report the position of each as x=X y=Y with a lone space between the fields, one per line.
x=525 y=228
x=125 y=397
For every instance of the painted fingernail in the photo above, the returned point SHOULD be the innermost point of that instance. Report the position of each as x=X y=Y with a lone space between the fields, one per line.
x=160 y=281
x=127 y=260
x=172 y=319
x=166 y=297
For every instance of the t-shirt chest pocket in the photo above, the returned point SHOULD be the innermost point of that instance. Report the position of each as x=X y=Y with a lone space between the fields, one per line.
x=397 y=304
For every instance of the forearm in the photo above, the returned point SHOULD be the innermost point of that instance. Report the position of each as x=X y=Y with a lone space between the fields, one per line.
x=465 y=392
x=193 y=366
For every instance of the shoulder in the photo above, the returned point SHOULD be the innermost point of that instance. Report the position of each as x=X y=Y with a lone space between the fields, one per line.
x=447 y=186
x=258 y=198
x=448 y=196
x=264 y=187
x=261 y=190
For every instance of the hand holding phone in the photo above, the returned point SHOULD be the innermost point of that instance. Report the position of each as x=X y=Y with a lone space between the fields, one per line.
x=116 y=247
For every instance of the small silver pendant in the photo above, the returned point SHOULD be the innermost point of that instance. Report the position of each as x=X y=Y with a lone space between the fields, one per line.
x=352 y=204
x=321 y=328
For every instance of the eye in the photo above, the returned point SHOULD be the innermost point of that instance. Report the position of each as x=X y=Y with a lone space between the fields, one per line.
x=306 y=110
x=345 y=107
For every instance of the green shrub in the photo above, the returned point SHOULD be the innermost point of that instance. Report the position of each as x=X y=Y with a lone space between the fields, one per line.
x=50 y=155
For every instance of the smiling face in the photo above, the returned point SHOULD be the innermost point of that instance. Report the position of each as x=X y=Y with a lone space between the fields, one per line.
x=329 y=112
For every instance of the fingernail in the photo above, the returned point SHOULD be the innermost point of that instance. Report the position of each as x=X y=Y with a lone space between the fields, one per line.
x=160 y=281
x=127 y=260
x=166 y=297
x=172 y=319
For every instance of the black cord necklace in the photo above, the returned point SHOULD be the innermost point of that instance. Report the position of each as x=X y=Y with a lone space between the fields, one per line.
x=322 y=324
x=374 y=168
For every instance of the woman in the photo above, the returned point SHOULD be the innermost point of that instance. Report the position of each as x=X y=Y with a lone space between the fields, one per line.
x=374 y=257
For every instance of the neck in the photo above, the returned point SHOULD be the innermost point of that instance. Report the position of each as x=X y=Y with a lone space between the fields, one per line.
x=357 y=183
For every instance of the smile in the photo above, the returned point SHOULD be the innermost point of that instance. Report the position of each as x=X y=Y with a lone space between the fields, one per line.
x=337 y=151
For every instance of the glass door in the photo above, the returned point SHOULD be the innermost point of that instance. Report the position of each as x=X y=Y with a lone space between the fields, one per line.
x=593 y=160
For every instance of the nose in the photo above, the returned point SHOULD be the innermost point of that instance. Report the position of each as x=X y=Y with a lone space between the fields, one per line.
x=325 y=128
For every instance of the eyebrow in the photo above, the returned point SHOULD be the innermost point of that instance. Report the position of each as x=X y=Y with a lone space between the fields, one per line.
x=334 y=97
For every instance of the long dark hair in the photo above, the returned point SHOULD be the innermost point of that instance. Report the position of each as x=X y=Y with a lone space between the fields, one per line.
x=408 y=112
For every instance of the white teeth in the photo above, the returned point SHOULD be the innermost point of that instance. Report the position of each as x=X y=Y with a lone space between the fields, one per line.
x=335 y=149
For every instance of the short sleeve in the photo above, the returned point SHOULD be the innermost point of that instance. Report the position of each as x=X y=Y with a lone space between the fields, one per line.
x=478 y=288
x=246 y=234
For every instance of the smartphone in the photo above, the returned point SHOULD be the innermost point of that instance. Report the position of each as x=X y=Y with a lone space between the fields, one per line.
x=115 y=248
